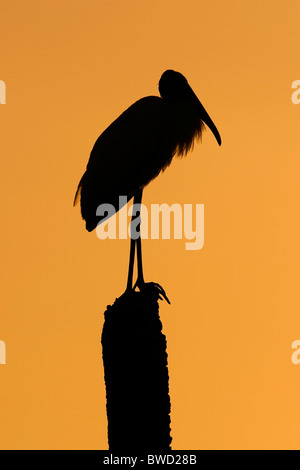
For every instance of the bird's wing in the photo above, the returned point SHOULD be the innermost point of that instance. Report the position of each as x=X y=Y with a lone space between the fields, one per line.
x=131 y=141
x=126 y=156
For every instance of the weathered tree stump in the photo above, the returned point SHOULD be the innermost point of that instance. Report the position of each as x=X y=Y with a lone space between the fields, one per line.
x=136 y=373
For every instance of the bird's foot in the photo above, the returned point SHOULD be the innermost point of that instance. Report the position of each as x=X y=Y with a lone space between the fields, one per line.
x=142 y=286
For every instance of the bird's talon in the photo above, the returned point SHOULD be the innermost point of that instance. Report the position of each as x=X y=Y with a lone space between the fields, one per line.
x=161 y=293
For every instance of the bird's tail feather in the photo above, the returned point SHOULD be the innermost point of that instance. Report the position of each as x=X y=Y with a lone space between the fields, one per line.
x=78 y=193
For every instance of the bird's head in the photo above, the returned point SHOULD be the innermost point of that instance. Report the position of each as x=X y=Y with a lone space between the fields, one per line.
x=174 y=87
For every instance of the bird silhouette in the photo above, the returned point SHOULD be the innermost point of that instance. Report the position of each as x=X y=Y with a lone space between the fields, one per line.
x=136 y=147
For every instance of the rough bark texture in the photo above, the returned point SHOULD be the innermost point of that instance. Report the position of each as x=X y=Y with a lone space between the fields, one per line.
x=136 y=373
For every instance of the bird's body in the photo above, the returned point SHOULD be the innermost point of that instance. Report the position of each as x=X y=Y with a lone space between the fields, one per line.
x=140 y=144
x=135 y=148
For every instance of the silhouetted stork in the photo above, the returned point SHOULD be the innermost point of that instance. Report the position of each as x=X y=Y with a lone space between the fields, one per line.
x=136 y=147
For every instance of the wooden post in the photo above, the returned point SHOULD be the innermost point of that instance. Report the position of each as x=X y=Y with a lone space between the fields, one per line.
x=136 y=373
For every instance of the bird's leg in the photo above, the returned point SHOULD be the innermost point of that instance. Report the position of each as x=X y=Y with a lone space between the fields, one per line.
x=140 y=277
x=136 y=240
x=140 y=283
x=131 y=259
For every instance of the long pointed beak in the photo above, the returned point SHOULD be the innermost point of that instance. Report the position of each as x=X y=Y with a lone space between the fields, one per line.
x=208 y=121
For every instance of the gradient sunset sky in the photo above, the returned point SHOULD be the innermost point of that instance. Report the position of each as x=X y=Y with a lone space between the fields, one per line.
x=70 y=68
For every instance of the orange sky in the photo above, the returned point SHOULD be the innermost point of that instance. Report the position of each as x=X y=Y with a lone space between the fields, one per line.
x=70 y=68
